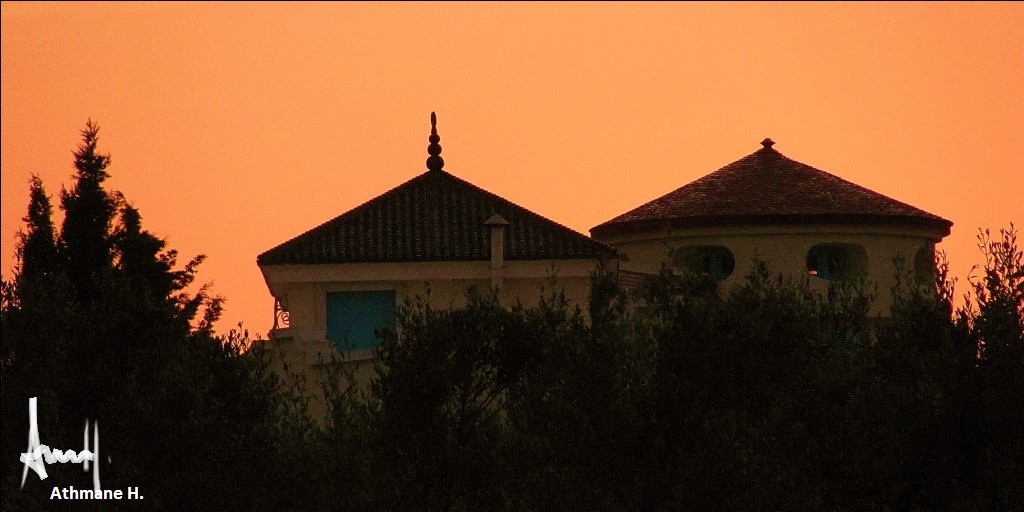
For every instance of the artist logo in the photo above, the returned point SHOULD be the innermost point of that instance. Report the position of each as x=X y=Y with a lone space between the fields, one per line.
x=38 y=455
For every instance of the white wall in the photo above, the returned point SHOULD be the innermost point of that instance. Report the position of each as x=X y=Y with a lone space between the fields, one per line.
x=784 y=248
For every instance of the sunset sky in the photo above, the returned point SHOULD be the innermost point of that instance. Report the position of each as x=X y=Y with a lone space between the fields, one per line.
x=236 y=126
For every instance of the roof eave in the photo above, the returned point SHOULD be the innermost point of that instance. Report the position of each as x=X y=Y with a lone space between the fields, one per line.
x=600 y=251
x=941 y=227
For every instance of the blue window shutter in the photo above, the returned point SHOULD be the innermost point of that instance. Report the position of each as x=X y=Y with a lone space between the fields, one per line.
x=353 y=316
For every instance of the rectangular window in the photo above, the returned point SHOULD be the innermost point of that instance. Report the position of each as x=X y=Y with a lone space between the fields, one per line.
x=353 y=316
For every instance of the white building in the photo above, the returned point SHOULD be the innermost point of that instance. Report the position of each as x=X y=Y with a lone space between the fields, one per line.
x=337 y=283
x=800 y=220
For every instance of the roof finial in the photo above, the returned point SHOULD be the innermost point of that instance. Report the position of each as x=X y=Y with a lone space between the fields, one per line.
x=434 y=162
x=767 y=143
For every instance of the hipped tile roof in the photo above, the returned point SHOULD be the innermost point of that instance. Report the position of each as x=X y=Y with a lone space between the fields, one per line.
x=766 y=187
x=435 y=216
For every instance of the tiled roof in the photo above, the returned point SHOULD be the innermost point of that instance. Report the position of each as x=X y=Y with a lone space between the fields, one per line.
x=766 y=187
x=433 y=217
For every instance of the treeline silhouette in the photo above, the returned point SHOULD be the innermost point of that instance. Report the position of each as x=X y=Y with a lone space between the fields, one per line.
x=669 y=397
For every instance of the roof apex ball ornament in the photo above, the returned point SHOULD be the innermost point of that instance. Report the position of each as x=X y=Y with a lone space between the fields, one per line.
x=434 y=161
x=767 y=143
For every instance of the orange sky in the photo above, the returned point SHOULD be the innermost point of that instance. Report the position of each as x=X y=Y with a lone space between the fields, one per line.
x=236 y=126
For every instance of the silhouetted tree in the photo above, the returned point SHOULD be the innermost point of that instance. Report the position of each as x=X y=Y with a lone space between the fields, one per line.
x=88 y=214
x=114 y=336
x=37 y=245
x=995 y=322
x=678 y=396
x=140 y=258
x=768 y=397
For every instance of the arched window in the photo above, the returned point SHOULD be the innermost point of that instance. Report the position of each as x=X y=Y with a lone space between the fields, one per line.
x=924 y=265
x=837 y=262
x=714 y=260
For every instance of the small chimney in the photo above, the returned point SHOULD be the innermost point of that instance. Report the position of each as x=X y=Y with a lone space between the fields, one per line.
x=497 y=224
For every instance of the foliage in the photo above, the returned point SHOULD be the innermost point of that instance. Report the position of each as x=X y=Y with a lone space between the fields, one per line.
x=677 y=395
x=98 y=325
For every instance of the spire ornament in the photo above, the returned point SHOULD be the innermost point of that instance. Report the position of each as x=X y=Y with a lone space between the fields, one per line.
x=434 y=161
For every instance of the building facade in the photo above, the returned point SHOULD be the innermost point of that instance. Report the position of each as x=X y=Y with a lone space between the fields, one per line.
x=436 y=237
x=336 y=284
x=800 y=220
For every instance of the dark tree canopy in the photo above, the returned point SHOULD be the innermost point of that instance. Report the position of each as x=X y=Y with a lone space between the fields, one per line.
x=88 y=214
x=37 y=245
x=673 y=396
x=99 y=325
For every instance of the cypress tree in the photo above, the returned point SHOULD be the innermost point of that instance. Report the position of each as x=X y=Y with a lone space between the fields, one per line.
x=89 y=211
x=37 y=246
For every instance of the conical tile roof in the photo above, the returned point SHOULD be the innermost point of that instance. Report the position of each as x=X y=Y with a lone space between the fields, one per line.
x=766 y=187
